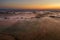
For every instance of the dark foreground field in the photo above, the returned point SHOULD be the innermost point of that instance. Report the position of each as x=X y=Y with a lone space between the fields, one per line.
x=45 y=28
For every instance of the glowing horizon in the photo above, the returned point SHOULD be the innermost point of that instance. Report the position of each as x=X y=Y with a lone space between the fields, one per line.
x=30 y=4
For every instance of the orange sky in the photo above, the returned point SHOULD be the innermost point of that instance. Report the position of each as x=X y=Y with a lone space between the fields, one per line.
x=30 y=4
x=34 y=6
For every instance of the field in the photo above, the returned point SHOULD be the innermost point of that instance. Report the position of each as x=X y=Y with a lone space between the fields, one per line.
x=29 y=27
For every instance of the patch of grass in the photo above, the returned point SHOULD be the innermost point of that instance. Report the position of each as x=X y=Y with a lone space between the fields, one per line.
x=45 y=29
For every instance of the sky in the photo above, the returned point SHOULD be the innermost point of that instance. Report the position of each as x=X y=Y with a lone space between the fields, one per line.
x=30 y=4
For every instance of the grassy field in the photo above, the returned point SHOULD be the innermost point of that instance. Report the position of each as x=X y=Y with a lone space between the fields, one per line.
x=45 y=28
